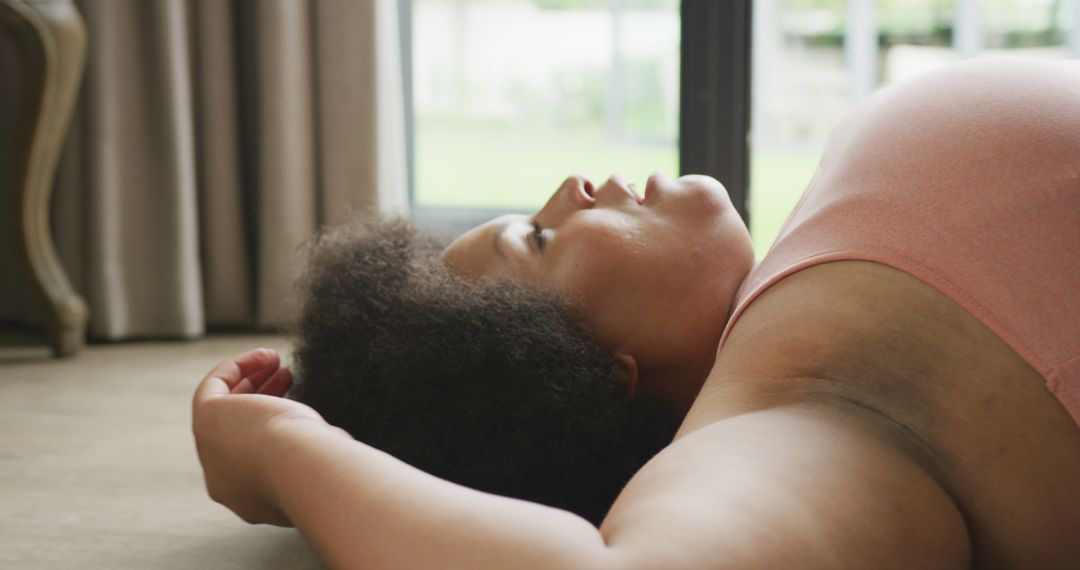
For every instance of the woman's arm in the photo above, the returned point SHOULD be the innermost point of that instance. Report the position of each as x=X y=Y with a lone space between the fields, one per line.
x=273 y=460
x=793 y=487
x=360 y=507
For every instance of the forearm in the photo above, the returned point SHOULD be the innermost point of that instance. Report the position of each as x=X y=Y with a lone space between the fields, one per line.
x=360 y=507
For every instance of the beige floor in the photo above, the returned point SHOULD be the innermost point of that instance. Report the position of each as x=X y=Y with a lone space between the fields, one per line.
x=98 y=467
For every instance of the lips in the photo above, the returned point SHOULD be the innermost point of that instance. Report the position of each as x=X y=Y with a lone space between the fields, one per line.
x=626 y=187
x=650 y=187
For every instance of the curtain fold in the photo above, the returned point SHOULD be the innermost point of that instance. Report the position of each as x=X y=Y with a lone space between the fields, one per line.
x=278 y=86
x=361 y=108
x=212 y=138
x=224 y=235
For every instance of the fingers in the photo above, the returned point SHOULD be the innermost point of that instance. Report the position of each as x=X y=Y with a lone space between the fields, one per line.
x=242 y=375
x=277 y=384
x=234 y=370
x=252 y=382
x=210 y=387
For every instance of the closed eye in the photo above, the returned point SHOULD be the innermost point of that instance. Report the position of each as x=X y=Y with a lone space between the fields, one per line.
x=538 y=234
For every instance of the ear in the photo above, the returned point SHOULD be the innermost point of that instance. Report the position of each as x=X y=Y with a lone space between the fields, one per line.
x=626 y=371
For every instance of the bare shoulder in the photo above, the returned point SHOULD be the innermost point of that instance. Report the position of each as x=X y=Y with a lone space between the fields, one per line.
x=799 y=486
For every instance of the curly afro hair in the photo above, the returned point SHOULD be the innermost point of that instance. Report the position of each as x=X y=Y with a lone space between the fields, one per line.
x=494 y=385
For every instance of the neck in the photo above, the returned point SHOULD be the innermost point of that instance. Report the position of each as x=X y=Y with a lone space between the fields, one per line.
x=849 y=331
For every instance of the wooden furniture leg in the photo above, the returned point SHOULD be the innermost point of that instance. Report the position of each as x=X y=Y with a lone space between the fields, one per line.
x=50 y=41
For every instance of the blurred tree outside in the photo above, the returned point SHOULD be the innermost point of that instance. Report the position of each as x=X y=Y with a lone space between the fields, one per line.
x=513 y=95
x=803 y=82
x=521 y=93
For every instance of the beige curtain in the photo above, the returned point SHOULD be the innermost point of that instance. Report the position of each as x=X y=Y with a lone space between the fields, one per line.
x=211 y=139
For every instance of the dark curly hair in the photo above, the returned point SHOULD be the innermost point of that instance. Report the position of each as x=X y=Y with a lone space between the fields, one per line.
x=492 y=384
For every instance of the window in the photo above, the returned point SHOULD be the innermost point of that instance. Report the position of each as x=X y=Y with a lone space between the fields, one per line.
x=814 y=59
x=511 y=96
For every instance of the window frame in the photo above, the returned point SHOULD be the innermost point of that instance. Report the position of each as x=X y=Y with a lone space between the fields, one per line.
x=714 y=85
x=714 y=107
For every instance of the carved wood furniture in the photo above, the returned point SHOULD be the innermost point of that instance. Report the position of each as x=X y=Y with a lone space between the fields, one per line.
x=41 y=77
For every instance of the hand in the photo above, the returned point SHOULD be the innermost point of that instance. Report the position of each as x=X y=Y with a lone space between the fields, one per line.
x=233 y=413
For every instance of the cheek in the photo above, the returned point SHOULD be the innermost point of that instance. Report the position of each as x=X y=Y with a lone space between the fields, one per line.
x=587 y=273
x=599 y=264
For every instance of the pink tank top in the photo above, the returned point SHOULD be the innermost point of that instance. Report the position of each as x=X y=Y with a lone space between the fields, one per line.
x=967 y=178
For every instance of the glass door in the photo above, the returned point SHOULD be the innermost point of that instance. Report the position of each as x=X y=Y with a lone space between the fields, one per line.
x=511 y=96
x=814 y=59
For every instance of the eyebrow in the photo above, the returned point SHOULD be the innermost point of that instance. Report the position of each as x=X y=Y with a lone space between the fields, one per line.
x=499 y=231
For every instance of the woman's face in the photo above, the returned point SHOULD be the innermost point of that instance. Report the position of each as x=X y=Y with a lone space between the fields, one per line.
x=654 y=275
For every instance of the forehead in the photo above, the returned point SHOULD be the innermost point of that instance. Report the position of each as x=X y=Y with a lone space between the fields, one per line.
x=478 y=252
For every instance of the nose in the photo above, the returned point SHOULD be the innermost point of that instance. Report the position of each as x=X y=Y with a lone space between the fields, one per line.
x=578 y=190
x=574 y=193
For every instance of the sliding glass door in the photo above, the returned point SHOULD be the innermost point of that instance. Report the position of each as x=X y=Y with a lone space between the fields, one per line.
x=511 y=96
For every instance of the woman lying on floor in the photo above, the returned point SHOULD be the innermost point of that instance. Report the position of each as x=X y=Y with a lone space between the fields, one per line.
x=898 y=385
